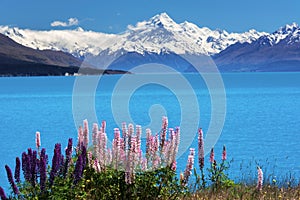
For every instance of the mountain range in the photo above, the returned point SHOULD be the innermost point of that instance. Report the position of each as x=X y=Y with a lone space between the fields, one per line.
x=161 y=40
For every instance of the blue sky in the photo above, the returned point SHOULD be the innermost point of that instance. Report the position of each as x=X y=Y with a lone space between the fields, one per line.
x=113 y=16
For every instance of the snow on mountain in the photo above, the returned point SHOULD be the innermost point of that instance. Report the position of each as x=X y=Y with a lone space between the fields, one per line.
x=77 y=42
x=161 y=33
x=288 y=34
x=157 y=35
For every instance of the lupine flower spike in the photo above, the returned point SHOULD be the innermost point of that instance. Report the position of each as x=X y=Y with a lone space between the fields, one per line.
x=2 y=194
x=11 y=180
x=200 y=148
x=17 y=170
x=259 y=179
x=38 y=140
x=189 y=167
x=212 y=156
x=224 y=154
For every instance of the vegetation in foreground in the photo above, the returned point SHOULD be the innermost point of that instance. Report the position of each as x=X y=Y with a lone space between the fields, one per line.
x=124 y=172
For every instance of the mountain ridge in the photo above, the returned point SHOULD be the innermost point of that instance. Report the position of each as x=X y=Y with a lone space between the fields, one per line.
x=179 y=38
x=161 y=38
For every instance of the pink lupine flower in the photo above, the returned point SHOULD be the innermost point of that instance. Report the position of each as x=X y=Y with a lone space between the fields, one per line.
x=90 y=159
x=156 y=162
x=80 y=139
x=149 y=139
x=144 y=164
x=101 y=149
x=96 y=166
x=38 y=140
x=259 y=179
x=130 y=134
x=224 y=154
x=163 y=132
x=192 y=151
x=138 y=136
x=177 y=132
x=155 y=144
x=200 y=148
x=116 y=145
x=125 y=135
x=189 y=166
x=85 y=133
x=212 y=156
x=108 y=159
x=103 y=126
x=171 y=147
x=94 y=137
x=174 y=166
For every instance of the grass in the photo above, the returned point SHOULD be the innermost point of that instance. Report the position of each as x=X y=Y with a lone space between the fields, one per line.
x=240 y=191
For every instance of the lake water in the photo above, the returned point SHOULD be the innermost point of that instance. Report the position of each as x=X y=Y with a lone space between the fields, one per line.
x=262 y=123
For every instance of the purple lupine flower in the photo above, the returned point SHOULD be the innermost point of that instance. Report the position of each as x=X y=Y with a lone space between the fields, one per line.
x=78 y=169
x=11 y=180
x=26 y=166
x=68 y=152
x=43 y=169
x=259 y=179
x=200 y=148
x=224 y=154
x=55 y=163
x=17 y=169
x=85 y=133
x=38 y=140
x=212 y=156
x=33 y=168
x=84 y=157
x=2 y=194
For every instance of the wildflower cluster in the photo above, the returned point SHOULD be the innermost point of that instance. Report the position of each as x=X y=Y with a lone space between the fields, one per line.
x=122 y=171
x=126 y=153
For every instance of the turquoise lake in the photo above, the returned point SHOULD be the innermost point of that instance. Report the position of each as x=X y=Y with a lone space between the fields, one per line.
x=261 y=127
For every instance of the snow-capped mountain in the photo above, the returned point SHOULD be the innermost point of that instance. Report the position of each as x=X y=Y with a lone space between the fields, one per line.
x=161 y=40
x=289 y=33
x=279 y=51
x=77 y=42
x=157 y=35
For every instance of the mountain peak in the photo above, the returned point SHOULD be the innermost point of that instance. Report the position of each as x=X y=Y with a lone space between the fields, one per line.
x=289 y=28
x=161 y=20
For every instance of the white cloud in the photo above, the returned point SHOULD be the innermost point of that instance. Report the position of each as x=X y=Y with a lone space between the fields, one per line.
x=70 y=22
